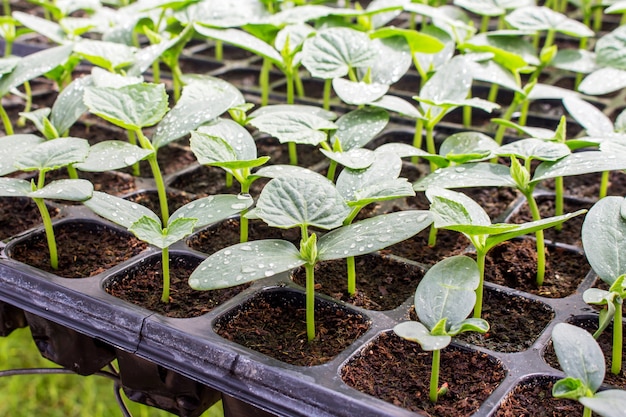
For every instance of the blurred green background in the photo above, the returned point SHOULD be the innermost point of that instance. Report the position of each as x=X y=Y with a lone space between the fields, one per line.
x=59 y=395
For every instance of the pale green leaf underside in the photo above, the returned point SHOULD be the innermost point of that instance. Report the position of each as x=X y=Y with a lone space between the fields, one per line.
x=53 y=154
x=481 y=174
x=118 y=210
x=14 y=187
x=12 y=146
x=70 y=190
x=609 y=403
x=417 y=332
x=213 y=208
x=298 y=127
x=112 y=155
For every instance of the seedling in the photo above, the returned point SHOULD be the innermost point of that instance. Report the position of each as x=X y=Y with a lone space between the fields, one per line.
x=443 y=300
x=604 y=241
x=139 y=105
x=228 y=145
x=32 y=153
x=147 y=226
x=303 y=201
x=582 y=361
x=456 y=211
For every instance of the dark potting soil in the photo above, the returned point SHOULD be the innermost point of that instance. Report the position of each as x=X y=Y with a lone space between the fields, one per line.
x=308 y=155
x=381 y=284
x=533 y=398
x=571 y=230
x=205 y=180
x=605 y=340
x=588 y=186
x=515 y=322
x=150 y=199
x=110 y=182
x=84 y=249
x=18 y=215
x=276 y=327
x=143 y=286
x=417 y=249
x=398 y=371
x=226 y=233
x=514 y=264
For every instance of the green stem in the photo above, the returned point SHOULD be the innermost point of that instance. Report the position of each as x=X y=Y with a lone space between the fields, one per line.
x=219 y=51
x=432 y=237
x=616 y=358
x=587 y=412
x=351 y=266
x=327 y=90
x=264 y=81
x=523 y=117
x=156 y=173
x=507 y=116
x=132 y=139
x=177 y=81
x=21 y=121
x=310 y=301
x=290 y=96
x=493 y=93
x=229 y=180
x=156 y=71
x=480 y=261
x=243 y=220
x=434 y=376
x=604 y=184
x=417 y=138
x=558 y=200
x=293 y=153
x=467 y=116
x=484 y=24
x=541 y=247
x=8 y=47
x=72 y=172
x=430 y=144
x=6 y=121
x=332 y=169
x=165 y=262
x=47 y=224
x=299 y=85
x=597 y=18
x=6 y=8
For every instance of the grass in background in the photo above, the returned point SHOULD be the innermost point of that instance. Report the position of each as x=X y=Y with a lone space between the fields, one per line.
x=59 y=395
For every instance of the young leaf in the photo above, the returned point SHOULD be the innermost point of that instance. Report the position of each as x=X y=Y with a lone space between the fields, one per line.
x=609 y=403
x=580 y=163
x=14 y=187
x=118 y=210
x=356 y=128
x=464 y=147
x=150 y=230
x=245 y=262
x=579 y=355
x=535 y=149
x=292 y=202
x=53 y=154
x=12 y=146
x=70 y=190
x=243 y=40
x=358 y=93
x=480 y=174
x=112 y=155
x=69 y=105
x=130 y=107
x=298 y=127
x=605 y=254
x=109 y=55
x=203 y=99
x=372 y=234
x=542 y=18
x=238 y=144
x=417 y=332
x=213 y=208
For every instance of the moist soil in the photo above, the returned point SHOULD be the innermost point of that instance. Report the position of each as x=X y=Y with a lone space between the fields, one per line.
x=204 y=181
x=143 y=286
x=605 y=340
x=515 y=322
x=571 y=231
x=226 y=234
x=398 y=371
x=110 y=182
x=588 y=186
x=416 y=248
x=308 y=156
x=274 y=324
x=381 y=283
x=84 y=248
x=514 y=265
x=150 y=199
x=18 y=215
x=533 y=398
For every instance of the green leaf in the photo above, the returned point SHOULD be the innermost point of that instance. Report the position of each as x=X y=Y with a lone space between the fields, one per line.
x=509 y=49
x=102 y=78
x=610 y=49
x=296 y=34
x=70 y=190
x=69 y=105
x=416 y=41
x=203 y=99
x=351 y=182
x=372 y=234
x=109 y=55
x=33 y=66
x=480 y=174
x=12 y=147
x=358 y=93
x=53 y=154
x=579 y=355
x=14 y=187
x=454 y=208
x=493 y=72
x=570 y=388
x=469 y=325
x=45 y=27
x=245 y=262
x=603 y=81
x=111 y=155
x=588 y=116
x=357 y=158
x=290 y=108
x=580 y=163
x=332 y=52
x=291 y=171
x=130 y=107
x=393 y=63
x=118 y=210
x=213 y=208
x=447 y=291
x=609 y=403
x=542 y=18
x=242 y=40
x=233 y=134
x=39 y=118
x=416 y=332
x=397 y=105
x=550 y=92
x=7 y=64
x=604 y=238
x=404 y=150
x=150 y=230
x=450 y=84
x=534 y=149
x=297 y=127
x=492 y=7
x=293 y=202
x=575 y=60
x=468 y=146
